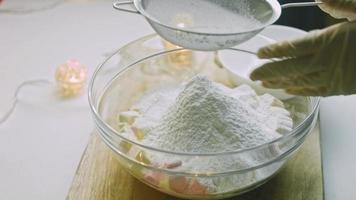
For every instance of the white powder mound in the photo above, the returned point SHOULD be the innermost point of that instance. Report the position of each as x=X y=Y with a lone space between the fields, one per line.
x=207 y=117
x=203 y=116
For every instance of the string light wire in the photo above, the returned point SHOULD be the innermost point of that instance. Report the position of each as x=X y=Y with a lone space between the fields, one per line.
x=15 y=99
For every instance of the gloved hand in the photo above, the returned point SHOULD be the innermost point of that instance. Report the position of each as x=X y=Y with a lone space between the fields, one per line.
x=340 y=8
x=323 y=63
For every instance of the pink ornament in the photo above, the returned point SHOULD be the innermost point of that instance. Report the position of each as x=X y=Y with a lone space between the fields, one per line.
x=71 y=78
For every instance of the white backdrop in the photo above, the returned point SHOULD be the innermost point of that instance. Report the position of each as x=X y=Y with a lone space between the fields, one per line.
x=42 y=142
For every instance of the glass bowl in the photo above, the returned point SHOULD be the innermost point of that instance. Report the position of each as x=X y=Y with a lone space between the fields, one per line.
x=150 y=63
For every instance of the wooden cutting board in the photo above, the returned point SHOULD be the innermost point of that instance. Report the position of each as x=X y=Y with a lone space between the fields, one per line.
x=100 y=177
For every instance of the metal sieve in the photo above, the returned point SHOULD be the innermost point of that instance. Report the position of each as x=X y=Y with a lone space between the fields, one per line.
x=208 y=24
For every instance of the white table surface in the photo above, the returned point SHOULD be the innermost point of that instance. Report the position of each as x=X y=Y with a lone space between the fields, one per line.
x=42 y=142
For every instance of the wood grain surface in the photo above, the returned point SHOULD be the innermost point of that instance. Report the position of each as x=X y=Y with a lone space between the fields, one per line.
x=100 y=177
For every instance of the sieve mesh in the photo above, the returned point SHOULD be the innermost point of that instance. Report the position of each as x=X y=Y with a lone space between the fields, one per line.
x=209 y=16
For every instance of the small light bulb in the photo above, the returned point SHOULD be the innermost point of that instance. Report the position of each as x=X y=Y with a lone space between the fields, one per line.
x=71 y=78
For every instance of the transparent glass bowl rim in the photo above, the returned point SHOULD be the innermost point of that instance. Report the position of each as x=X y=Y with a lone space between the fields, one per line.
x=95 y=112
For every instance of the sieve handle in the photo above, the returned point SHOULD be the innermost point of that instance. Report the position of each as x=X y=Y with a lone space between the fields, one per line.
x=117 y=5
x=300 y=4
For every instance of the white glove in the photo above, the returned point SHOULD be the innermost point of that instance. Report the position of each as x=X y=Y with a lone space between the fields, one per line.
x=339 y=8
x=323 y=63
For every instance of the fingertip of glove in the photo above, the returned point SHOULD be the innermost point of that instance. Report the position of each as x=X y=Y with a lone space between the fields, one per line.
x=263 y=53
x=267 y=84
x=256 y=75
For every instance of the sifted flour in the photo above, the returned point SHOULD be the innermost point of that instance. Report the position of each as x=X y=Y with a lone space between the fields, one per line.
x=207 y=117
